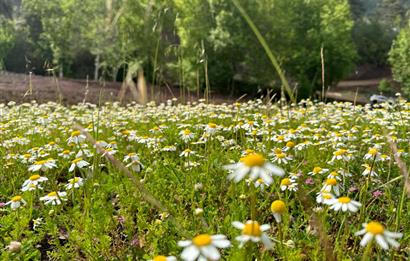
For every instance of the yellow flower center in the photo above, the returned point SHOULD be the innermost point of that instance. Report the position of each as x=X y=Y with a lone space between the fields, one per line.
x=326 y=196
x=74 y=180
x=334 y=174
x=253 y=160
x=260 y=181
x=52 y=194
x=212 y=125
x=344 y=200
x=126 y=132
x=75 y=133
x=290 y=144
x=28 y=155
x=187 y=132
x=202 y=240
x=187 y=151
x=372 y=151
x=252 y=229
x=281 y=137
x=278 y=206
x=285 y=182
x=16 y=198
x=331 y=182
x=66 y=152
x=159 y=258
x=281 y=155
x=340 y=152
x=77 y=160
x=278 y=151
x=40 y=162
x=34 y=177
x=316 y=170
x=375 y=228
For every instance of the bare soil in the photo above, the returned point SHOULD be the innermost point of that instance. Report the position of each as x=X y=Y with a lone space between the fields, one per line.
x=25 y=88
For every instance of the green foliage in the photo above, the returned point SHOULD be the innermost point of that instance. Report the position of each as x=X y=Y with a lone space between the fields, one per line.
x=373 y=41
x=399 y=58
x=294 y=30
x=6 y=39
x=384 y=86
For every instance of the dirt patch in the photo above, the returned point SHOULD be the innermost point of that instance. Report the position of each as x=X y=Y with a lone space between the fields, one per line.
x=16 y=87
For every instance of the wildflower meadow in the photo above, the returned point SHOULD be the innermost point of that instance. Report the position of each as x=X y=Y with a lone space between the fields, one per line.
x=198 y=181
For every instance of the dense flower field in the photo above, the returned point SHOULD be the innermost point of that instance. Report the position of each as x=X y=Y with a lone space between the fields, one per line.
x=247 y=181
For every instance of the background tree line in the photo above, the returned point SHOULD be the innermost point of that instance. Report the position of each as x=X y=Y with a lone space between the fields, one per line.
x=192 y=43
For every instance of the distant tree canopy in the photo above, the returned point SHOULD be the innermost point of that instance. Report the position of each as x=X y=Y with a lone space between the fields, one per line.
x=399 y=58
x=190 y=42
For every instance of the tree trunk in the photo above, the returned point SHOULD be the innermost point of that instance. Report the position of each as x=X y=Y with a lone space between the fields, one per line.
x=60 y=71
x=96 y=66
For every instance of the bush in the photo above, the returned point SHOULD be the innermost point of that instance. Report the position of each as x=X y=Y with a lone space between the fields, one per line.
x=399 y=58
x=384 y=86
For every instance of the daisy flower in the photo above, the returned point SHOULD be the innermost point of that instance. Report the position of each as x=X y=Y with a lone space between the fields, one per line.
x=65 y=154
x=331 y=184
x=280 y=157
x=383 y=237
x=259 y=183
x=252 y=231
x=54 y=198
x=75 y=182
x=325 y=198
x=32 y=183
x=76 y=137
x=203 y=247
x=43 y=165
x=211 y=128
x=187 y=153
x=164 y=258
x=345 y=203
x=317 y=170
x=109 y=151
x=373 y=153
x=278 y=208
x=79 y=163
x=186 y=135
x=288 y=184
x=135 y=163
x=341 y=154
x=369 y=171
x=16 y=202
x=256 y=166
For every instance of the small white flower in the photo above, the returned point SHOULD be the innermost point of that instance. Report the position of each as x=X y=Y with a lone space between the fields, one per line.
x=32 y=183
x=288 y=184
x=369 y=170
x=203 y=247
x=164 y=258
x=54 y=198
x=256 y=166
x=76 y=137
x=383 y=237
x=252 y=231
x=187 y=153
x=345 y=204
x=325 y=198
x=79 y=163
x=186 y=135
x=16 y=202
x=331 y=184
x=75 y=182
x=317 y=170
x=43 y=165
